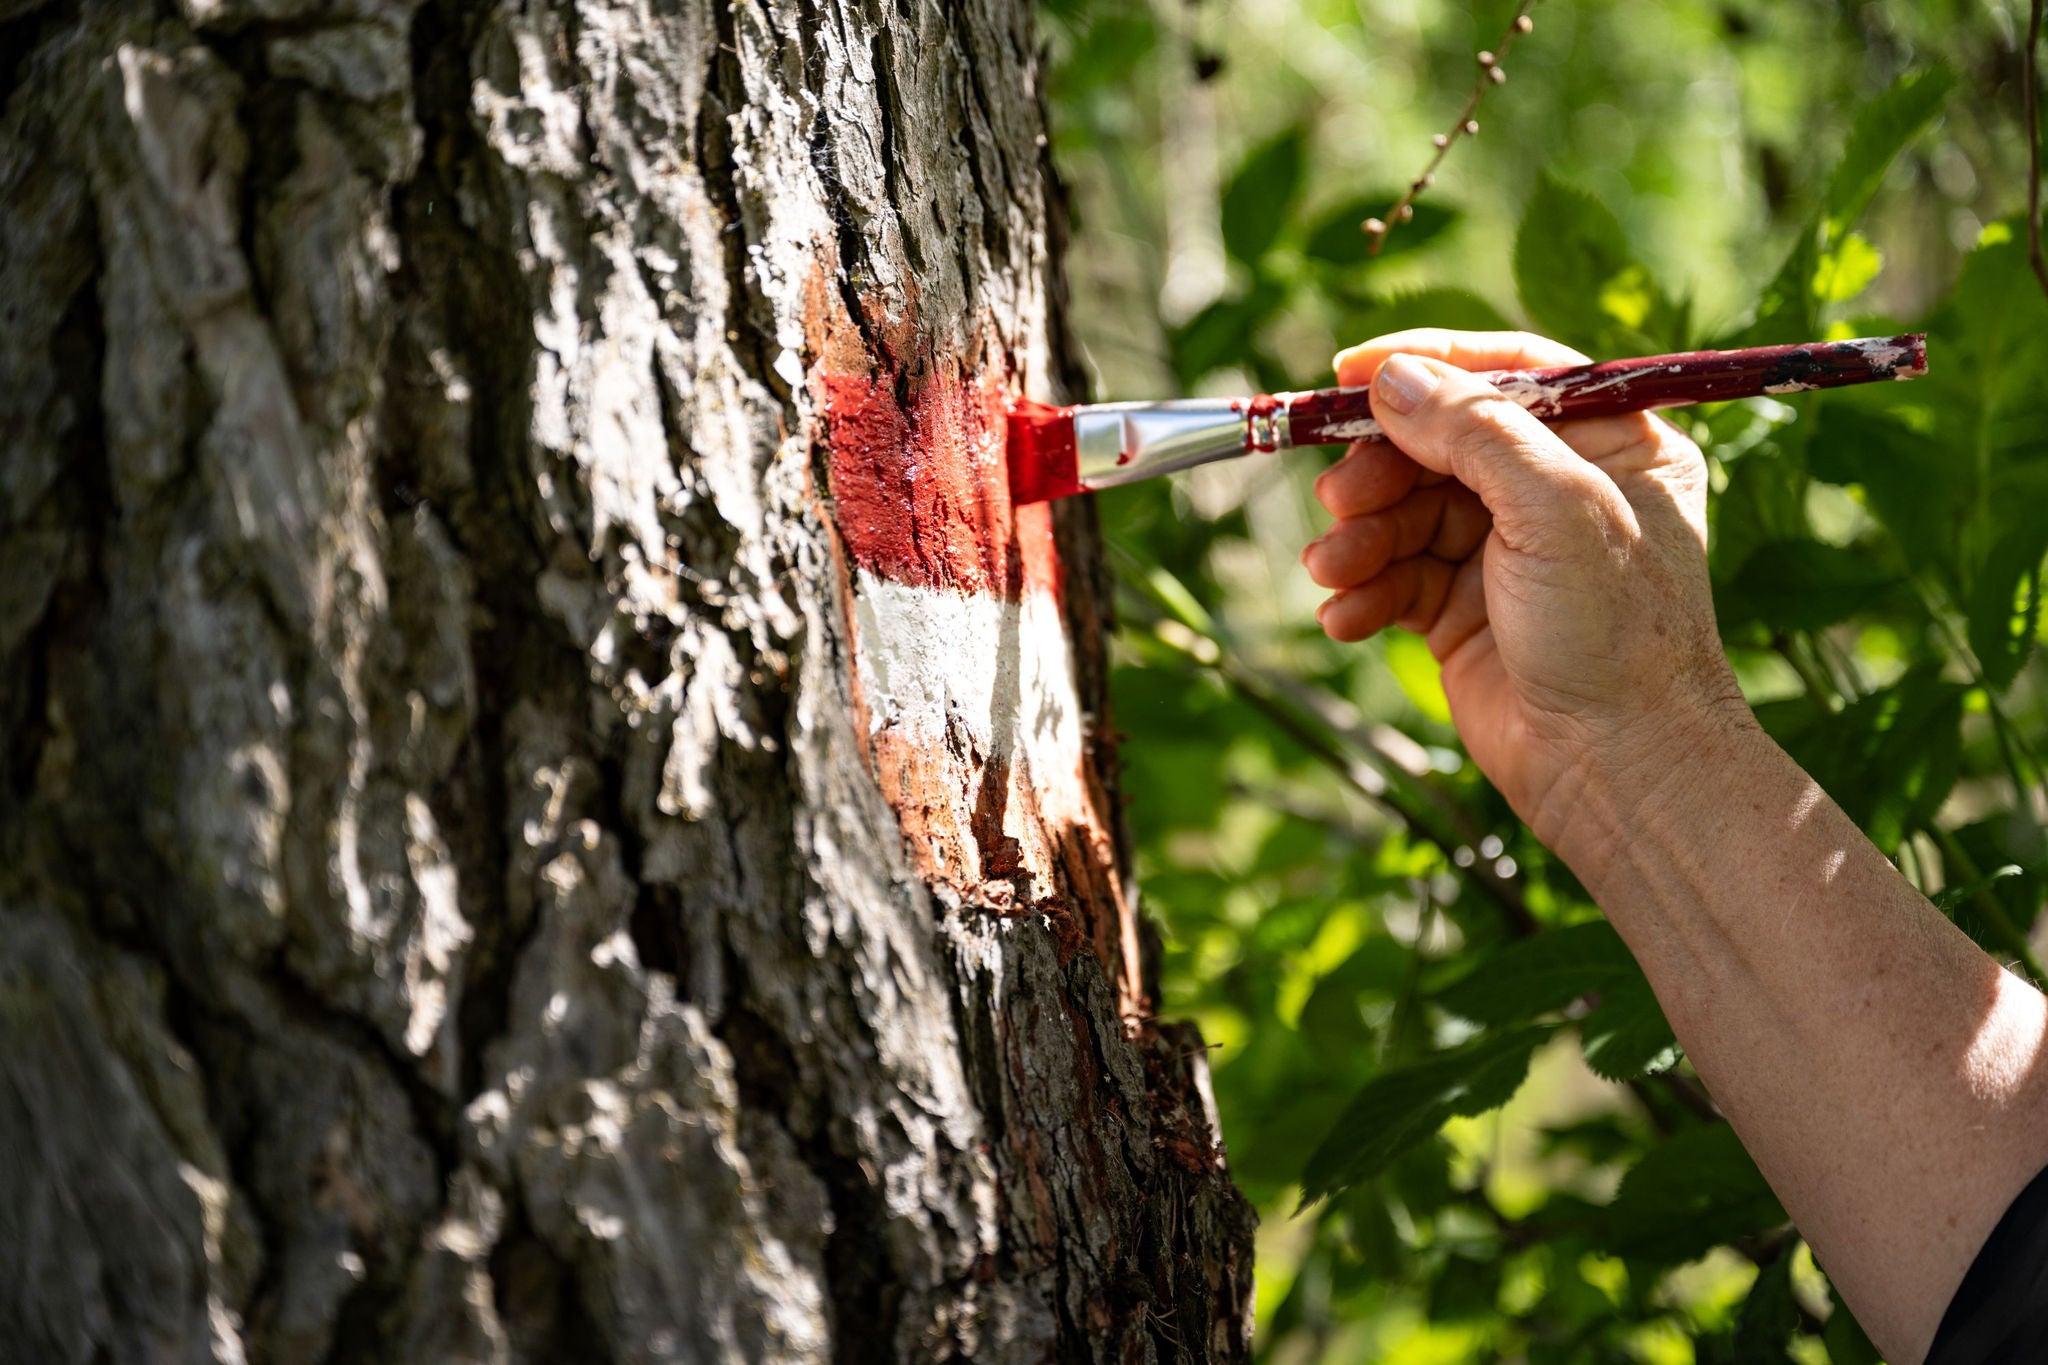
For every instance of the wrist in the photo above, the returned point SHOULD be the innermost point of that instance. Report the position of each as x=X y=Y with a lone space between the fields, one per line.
x=1675 y=771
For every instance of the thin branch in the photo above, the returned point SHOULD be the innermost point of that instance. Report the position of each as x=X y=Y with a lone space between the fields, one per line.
x=1492 y=72
x=2033 y=98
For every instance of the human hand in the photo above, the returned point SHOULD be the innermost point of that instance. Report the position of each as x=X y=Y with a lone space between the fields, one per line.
x=1559 y=574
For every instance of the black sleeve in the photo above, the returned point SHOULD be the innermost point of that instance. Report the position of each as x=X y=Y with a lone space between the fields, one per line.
x=1999 y=1315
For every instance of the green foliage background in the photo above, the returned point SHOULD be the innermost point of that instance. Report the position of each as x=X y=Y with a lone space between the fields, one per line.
x=1425 y=1039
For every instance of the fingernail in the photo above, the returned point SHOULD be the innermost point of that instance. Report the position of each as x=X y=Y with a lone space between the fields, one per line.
x=1404 y=382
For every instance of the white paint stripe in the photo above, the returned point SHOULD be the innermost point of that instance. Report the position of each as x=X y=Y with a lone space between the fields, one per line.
x=938 y=665
x=934 y=659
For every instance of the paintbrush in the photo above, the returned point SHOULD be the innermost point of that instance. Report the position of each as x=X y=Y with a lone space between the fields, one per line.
x=1058 y=451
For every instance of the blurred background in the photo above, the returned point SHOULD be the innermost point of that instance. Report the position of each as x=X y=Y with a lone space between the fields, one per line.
x=1351 y=914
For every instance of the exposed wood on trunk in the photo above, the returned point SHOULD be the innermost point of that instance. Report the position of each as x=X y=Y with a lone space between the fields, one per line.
x=500 y=859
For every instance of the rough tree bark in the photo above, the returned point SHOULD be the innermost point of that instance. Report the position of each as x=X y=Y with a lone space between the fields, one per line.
x=552 y=811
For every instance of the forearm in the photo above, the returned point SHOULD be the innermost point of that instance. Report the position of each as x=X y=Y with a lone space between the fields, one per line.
x=1882 y=1070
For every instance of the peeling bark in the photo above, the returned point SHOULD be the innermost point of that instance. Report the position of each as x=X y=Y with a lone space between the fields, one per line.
x=531 y=829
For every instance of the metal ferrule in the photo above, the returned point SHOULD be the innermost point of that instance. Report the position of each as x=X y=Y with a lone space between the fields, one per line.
x=1119 y=442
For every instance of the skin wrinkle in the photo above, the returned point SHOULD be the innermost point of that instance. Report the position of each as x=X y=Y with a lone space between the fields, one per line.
x=1884 y=1072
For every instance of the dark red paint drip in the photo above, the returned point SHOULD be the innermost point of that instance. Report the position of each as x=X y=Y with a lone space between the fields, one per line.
x=1260 y=413
x=922 y=487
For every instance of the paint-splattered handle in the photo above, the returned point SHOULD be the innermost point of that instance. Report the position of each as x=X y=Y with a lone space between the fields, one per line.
x=1613 y=387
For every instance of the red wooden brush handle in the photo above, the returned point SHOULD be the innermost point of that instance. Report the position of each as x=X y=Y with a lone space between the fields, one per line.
x=1613 y=387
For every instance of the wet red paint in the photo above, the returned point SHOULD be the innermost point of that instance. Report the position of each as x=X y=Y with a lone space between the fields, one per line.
x=1260 y=413
x=1044 y=462
x=921 y=484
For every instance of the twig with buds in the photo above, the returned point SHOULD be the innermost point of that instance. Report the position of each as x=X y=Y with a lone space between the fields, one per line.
x=1491 y=73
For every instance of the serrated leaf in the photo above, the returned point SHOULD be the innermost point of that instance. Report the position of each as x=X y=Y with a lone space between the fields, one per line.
x=1787 y=309
x=1542 y=973
x=1882 y=129
x=1578 y=278
x=1399 y=1108
x=1337 y=239
x=1688 y=1195
x=1805 y=585
x=1626 y=1035
x=1261 y=193
x=1847 y=269
x=2005 y=605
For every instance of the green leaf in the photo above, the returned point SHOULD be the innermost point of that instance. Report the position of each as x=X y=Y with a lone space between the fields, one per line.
x=1688 y=1195
x=1466 y=1288
x=1949 y=898
x=1847 y=1342
x=1890 y=758
x=1983 y=398
x=1770 y=1315
x=1107 y=49
x=1765 y=501
x=1787 y=309
x=1804 y=585
x=1399 y=1108
x=1911 y=482
x=1452 y=308
x=1578 y=279
x=1847 y=270
x=1882 y=129
x=1599 y=1141
x=1626 y=1035
x=2005 y=606
x=1222 y=334
x=1420 y=676
x=1337 y=240
x=2007 y=851
x=1543 y=973
x=1261 y=194
x=1330 y=1019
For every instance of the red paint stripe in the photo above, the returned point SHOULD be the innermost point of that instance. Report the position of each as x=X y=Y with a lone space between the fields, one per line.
x=921 y=485
x=1044 y=463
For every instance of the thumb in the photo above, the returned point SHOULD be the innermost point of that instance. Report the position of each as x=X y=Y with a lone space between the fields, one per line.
x=1453 y=422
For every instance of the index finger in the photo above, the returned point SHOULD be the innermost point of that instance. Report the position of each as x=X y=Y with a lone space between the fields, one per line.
x=1356 y=365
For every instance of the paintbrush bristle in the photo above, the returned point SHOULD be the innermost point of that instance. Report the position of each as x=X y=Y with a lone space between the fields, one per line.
x=1044 y=463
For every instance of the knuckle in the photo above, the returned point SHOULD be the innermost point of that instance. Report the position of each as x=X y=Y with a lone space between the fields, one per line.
x=1485 y=423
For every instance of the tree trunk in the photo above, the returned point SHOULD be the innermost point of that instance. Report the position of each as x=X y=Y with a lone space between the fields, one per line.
x=552 y=809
